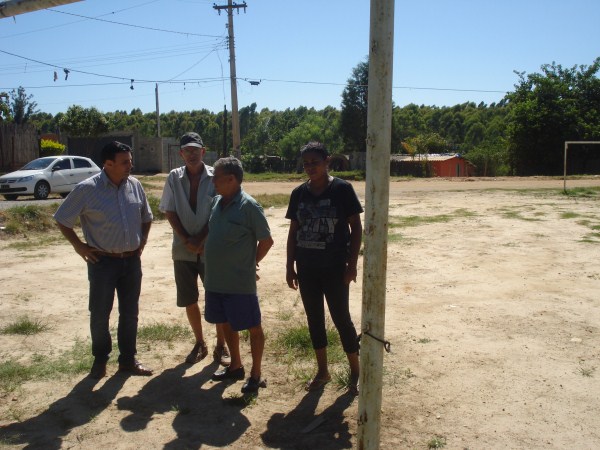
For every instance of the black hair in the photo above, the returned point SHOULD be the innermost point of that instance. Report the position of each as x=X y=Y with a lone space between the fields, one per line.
x=315 y=147
x=110 y=150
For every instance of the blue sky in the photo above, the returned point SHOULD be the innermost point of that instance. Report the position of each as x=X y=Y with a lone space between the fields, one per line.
x=302 y=52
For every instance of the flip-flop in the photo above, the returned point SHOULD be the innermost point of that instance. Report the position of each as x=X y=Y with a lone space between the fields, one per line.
x=317 y=383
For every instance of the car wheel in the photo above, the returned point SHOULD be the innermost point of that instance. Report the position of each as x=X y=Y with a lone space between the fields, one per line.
x=10 y=197
x=41 y=190
x=64 y=194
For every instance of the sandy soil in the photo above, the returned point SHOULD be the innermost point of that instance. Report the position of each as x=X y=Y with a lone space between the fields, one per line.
x=492 y=311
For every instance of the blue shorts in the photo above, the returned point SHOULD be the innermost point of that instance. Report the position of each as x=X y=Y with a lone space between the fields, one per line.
x=242 y=311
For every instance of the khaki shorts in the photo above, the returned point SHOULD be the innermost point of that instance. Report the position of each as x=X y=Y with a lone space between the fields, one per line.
x=186 y=280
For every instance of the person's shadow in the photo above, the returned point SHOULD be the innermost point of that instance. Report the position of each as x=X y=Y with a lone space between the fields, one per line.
x=80 y=406
x=301 y=429
x=202 y=415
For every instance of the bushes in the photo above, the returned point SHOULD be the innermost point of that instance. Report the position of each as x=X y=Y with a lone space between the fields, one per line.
x=51 y=148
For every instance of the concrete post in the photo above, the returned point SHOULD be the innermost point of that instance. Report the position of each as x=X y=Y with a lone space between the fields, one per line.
x=379 y=134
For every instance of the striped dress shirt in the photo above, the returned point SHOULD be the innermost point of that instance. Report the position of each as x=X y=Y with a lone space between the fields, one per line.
x=111 y=216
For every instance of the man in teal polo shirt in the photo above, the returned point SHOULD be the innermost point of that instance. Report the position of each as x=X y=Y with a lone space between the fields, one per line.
x=238 y=239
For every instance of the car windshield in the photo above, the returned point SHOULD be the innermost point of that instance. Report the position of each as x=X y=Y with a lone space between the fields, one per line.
x=38 y=164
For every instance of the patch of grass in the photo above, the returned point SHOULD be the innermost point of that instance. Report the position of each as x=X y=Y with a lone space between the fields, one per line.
x=424 y=341
x=294 y=342
x=71 y=362
x=272 y=200
x=37 y=242
x=154 y=201
x=569 y=215
x=512 y=214
x=285 y=315
x=591 y=238
x=341 y=378
x=273 y=176
x=28 y=219
x=437 y=442
x=587 y=371
x=161 y=332
x=25 y=326
x=415 y=221
x=589 y=192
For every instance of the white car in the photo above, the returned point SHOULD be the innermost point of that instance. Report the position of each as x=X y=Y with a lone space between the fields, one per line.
x=42 y=176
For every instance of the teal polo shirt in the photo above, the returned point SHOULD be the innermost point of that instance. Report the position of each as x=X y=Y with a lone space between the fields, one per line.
x=230 y=248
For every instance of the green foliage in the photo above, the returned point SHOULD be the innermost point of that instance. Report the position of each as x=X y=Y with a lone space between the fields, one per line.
x=25 y=326
x=50 y=148
x=295 y=343
x=160 y=332
x=154 y=201
x=353 y=120
x=4 y=107
x=22 y=106
x=82 y=122
x=29 y=218
x=522 y=134
x=490 y=158
x=548 y=108
x=74 y=361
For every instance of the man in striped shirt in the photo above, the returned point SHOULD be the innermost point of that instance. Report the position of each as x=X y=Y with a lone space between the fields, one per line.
x=186 y=201
x=115 y=221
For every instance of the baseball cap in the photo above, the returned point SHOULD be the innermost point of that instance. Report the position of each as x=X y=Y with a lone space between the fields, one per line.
x=191 y=139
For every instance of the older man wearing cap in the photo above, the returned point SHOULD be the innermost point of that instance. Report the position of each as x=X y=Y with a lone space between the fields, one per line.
x=115 y=220
x=186 y=201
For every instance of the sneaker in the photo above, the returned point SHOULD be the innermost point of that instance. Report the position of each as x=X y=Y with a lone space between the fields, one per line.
x=252 y=384
x=226 y=374
x=197 y=354
x=221 y=355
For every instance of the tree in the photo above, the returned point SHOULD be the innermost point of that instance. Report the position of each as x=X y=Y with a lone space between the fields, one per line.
x=353 y=120
x=84 y=122
x=549 y=108
x=22 y=106
x=4 y=107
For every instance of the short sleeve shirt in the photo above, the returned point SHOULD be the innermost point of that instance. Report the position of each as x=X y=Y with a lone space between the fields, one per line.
x=230 y=249
x=175 y=198
x=111 y=216
x=323 y=236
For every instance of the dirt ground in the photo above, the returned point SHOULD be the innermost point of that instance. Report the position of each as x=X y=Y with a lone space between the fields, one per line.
x=493 y=314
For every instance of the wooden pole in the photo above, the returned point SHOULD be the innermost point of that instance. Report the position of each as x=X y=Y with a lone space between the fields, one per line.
x=15 y=7
x=157 y=111
x=379 y=134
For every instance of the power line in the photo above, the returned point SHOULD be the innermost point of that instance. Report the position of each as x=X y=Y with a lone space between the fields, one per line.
x=134 y=26
x=77 y=21
x=203 y=80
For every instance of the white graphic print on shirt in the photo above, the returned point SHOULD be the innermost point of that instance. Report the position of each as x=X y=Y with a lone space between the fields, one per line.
x=317 y=224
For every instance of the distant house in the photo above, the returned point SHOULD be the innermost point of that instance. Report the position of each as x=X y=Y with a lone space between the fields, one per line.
x=431 y=165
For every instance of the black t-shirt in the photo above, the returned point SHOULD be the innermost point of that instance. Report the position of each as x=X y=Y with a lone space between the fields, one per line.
x=323 y=236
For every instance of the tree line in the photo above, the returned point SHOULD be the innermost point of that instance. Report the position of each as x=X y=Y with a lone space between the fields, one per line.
x=522 y=134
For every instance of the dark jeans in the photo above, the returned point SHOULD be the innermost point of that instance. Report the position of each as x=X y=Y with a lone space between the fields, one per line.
x=106 y=276
x=315 y=283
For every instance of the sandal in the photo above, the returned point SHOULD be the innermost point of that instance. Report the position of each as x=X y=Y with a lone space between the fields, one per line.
x=317 y=384
x=221 y=355
x=197 y=354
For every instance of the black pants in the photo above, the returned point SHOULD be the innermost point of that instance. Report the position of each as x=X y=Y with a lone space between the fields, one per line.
x=316 y=283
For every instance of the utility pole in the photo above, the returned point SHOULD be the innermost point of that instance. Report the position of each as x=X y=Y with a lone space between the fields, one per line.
x=15 y=7
x=379 y=135
x=235 y=121
x=157 y=111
